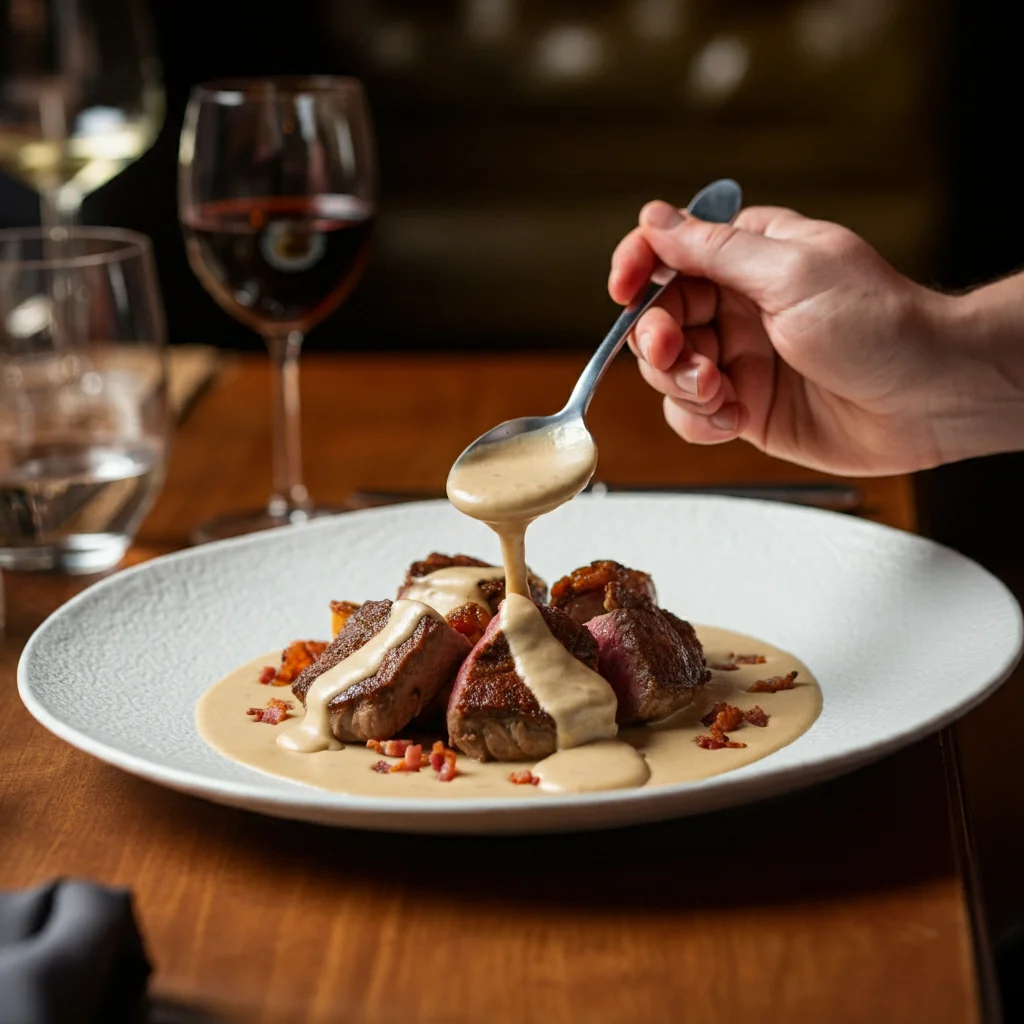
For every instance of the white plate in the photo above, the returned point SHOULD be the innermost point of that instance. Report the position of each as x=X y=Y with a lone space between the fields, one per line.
x=903 y=635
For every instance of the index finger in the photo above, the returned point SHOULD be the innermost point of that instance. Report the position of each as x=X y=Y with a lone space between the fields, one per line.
x=633 y=262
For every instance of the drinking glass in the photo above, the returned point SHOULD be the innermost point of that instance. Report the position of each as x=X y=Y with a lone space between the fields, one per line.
x=83 y=425
x=80 y=96
x=277 y=181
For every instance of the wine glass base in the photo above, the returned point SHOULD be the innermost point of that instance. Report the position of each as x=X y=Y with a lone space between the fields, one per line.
x=238 y=524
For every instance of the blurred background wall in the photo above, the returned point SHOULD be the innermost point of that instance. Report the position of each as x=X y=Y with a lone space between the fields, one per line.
x=518 y=139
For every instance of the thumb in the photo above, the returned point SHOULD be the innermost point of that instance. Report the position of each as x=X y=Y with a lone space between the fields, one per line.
x=751 y=264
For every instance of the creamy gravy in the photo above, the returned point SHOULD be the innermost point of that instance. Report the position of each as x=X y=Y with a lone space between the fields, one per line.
x=669 y=751
x=508 y=484
x=447 y=589
x=580 y=701
x=313 y=733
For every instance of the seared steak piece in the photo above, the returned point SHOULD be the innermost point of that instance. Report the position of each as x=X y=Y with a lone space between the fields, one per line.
x=493 y=714
x=410 y=676
x=602 y=587
x=653 y=660
x=493 y=589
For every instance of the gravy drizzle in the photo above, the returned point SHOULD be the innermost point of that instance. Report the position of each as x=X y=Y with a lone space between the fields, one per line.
x=508 y=484
x=313 y=733
x=447 y=589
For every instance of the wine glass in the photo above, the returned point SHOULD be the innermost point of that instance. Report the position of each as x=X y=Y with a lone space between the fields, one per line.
x=83 y=427
x=277 y=180
x=80 y=97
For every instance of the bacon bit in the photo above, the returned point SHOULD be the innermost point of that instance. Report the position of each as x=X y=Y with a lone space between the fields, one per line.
x=381 y=767
x=773 y=684
x=723 y=666
x=375 y=745
x=470 y=620
x=267 y=675
x=276 y=711
x=748 y=659
x=297 y=656
x=414 y=757
x=442 y=759
x=756 y=716
x=716 y=741
x=722 y=716
x=524 y=777
x=396 y=748
x=341 y=612
x=725 y=716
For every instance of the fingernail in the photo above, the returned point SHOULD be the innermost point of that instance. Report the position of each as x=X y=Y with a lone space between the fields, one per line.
x=644 y=344
x=686 y=380
x=726 y=419
x=661 y=216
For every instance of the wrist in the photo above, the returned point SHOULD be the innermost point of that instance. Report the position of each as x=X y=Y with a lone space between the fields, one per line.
x=976 y=404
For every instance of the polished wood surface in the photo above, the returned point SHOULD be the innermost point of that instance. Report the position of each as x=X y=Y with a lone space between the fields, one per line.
x=841 y=903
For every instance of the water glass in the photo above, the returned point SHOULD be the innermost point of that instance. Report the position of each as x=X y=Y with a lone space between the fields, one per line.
x=84 y=414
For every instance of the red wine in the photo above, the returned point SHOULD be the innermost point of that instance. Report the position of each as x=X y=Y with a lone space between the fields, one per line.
x=282 y=261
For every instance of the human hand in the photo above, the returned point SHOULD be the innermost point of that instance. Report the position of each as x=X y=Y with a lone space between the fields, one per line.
x=795 y=335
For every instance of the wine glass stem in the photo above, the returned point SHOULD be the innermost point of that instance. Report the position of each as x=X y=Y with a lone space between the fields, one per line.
x=58 y=213
x=290 y=493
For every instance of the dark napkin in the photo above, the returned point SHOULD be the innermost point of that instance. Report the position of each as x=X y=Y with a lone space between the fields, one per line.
x=70 y=953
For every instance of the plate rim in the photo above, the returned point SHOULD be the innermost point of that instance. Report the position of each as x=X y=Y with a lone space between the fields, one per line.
x=773 y=781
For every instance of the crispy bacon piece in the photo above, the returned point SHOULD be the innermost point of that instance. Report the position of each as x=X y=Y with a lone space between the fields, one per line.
x=442 y=760
x=756 y=716
x=268 y=674
x=723 y=716
x=605 y=585
x=524 y=777
x=297 y=656
x=733 y=662
x=716 y=741
x=720 y=718
x=341 y=611
x=470 y=620
x=773 y=684
x=396 y=748
x=276 y=711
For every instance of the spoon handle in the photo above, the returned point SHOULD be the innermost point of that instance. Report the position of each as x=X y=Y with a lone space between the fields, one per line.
x=718 y=203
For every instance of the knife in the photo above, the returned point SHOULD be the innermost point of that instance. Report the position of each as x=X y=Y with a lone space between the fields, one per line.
x=833 y=497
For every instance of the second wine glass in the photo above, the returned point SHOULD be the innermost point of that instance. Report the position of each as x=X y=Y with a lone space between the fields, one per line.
x=277 y=183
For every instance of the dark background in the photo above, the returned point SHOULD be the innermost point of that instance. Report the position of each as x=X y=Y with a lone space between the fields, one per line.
x=505 y=184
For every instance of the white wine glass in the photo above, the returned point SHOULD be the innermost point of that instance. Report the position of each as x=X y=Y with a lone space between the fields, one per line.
x=80 y=97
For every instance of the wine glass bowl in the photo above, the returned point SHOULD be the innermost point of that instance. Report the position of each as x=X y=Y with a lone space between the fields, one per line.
x=80 y=96
x=277 y=184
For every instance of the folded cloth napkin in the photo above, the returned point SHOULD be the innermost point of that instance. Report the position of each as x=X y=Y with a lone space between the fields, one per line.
x=70 y=953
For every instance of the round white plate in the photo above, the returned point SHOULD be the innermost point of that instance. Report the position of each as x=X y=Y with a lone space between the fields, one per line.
x=903 y=635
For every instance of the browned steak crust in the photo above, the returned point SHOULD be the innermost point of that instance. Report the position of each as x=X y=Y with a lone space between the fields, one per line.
x=653 y=660
x=493 y=714
x=411 y=675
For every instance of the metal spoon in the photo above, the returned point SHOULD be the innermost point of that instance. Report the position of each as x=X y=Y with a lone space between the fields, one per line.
x=718 y=203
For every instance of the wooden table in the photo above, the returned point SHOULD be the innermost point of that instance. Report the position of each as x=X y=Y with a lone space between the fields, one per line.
x=848 y=902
